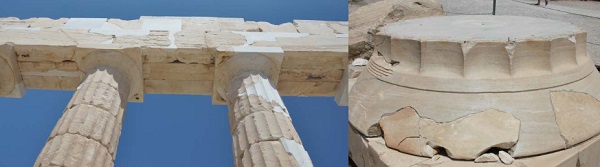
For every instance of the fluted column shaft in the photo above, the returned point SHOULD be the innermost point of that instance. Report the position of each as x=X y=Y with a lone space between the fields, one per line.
x=263 y=134
x=88 y=132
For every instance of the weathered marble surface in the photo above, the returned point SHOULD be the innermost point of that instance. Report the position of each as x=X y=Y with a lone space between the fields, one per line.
x=534 y=74
x=88 y=132
x=177 y=53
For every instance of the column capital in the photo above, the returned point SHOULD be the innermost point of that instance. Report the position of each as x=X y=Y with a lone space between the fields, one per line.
x=232 y=62
x=11 y=81
x=127 y=60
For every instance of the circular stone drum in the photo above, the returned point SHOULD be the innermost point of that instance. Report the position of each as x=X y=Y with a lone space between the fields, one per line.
x=468 y=85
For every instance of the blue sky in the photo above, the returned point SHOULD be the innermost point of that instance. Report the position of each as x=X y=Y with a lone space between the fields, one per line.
x=173 y=130
x=274 y=11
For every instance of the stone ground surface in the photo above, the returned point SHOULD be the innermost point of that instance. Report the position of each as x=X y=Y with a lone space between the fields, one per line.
x=590 y=5
x=525 y=8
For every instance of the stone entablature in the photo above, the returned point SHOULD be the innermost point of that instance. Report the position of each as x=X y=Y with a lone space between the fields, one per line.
x=174 y=55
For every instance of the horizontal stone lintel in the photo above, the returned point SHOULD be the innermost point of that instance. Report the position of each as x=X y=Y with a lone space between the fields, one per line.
x=178 y=58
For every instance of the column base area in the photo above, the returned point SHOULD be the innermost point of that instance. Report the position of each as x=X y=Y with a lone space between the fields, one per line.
x=372 y=152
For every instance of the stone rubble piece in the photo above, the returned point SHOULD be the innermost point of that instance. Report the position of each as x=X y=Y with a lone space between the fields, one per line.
x=488 y=157
x=428 y=151
x=505 y=157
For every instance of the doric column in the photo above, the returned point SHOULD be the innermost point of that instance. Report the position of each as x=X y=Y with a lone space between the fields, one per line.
x=262 y=130
x=88 y=132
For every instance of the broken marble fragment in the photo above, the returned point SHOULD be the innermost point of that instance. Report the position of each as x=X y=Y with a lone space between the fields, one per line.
x=488 y=157
x=399 y=126
x=470 y=136
x=577 y=115
x=429 y=151
x=505 y=157
x=401 y=132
